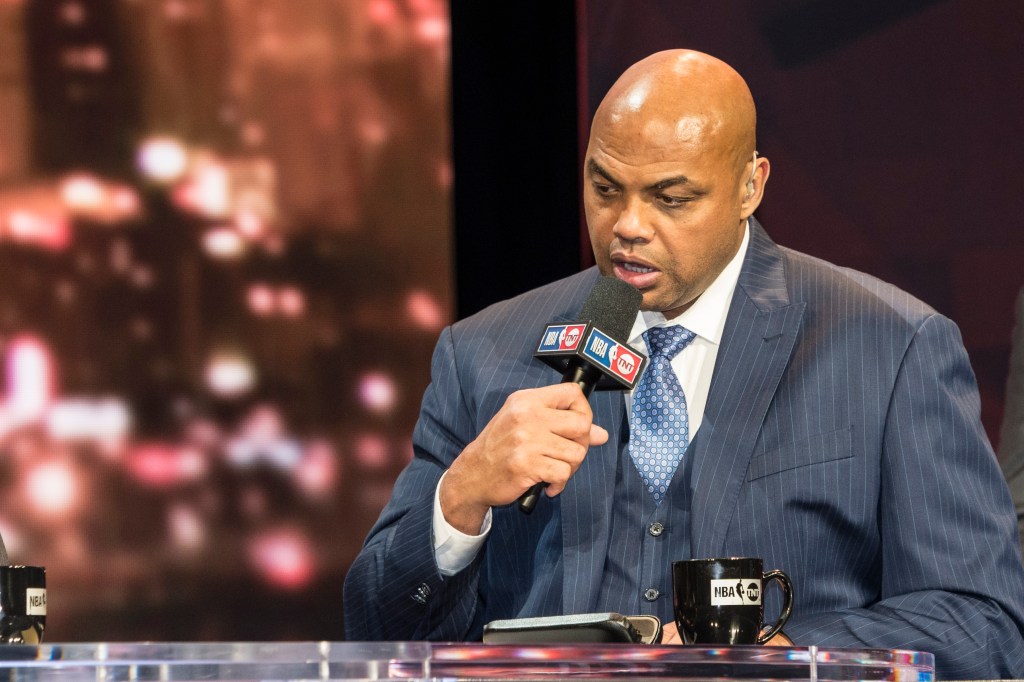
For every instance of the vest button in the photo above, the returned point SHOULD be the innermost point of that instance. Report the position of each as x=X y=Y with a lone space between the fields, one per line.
x=650 y=594
x=656 y=529
x=422 y=594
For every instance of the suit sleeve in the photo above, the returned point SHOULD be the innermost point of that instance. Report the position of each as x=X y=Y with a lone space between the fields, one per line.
x=952 y=581
x=394 y=590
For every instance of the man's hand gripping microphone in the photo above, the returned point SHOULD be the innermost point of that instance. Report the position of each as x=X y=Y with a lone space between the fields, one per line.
x=592 y=352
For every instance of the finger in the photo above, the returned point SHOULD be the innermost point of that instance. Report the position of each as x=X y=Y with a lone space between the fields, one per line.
x=598 y=435
x=568 y=424
x=544 y=456
x=780 y=639
x=567 y=396
x=670 y=635
x=579 y=403
x=556 y=450
x=557 y=477
x=543 y=405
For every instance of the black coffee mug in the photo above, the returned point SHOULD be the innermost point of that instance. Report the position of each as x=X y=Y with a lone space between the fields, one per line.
x=720 y=601
x=22 y=604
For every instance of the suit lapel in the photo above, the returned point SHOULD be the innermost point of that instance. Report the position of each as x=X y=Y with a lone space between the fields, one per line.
x=586 y=506
x=757 y=342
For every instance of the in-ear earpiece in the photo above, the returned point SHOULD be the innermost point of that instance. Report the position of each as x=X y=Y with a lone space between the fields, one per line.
x=750 y=182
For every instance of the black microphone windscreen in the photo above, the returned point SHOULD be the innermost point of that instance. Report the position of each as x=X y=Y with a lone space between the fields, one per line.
x=612 y=307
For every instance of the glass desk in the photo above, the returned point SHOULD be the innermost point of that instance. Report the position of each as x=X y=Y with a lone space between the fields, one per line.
x=185 y=661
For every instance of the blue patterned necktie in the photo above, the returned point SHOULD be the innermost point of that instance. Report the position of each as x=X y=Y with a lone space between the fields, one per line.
x=661 y=425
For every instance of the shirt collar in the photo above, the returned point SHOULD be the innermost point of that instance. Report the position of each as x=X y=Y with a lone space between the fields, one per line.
x=706 y=317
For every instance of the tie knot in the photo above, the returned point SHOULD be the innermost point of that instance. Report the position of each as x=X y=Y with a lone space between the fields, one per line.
x=668 y=341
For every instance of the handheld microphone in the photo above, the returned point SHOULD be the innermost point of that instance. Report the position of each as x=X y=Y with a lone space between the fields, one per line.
x=592 y=352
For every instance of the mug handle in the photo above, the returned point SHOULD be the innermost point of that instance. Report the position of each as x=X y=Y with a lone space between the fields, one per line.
x=787 y=605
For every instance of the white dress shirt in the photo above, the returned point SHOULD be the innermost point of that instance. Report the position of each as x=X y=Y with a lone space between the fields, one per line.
x=706 y=318
x=694 y=366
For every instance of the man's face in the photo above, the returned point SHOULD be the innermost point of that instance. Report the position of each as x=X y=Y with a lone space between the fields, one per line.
x=664 y=205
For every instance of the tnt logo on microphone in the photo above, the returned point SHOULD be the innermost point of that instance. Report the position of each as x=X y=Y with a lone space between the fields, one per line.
x=736 y=592
x=570 y=337
x=619 y=359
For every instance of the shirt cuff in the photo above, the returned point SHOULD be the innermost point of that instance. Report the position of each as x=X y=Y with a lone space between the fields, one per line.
x=453 y=549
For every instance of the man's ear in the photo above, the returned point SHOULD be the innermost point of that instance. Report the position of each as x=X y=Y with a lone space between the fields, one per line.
x=755 y=186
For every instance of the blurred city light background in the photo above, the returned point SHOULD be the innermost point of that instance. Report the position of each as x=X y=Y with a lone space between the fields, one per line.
x=224 y=261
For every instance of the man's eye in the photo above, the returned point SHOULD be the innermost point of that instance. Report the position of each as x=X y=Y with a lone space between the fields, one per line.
x=673 y=202
x=604 y=190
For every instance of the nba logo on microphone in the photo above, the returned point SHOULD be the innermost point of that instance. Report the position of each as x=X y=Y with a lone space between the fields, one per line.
x=617 y=358
x=561 y=337
x=552 y=338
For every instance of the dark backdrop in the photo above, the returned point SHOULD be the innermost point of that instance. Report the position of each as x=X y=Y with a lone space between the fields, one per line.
x=893 y=129
x=514 y=131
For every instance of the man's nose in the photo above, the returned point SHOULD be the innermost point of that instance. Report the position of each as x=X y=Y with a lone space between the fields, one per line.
x=631 y=226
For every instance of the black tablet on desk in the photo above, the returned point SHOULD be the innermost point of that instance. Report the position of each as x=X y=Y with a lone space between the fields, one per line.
x=583 y=628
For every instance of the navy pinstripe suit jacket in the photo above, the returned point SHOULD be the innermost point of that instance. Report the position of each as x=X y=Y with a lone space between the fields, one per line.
x=841 y=442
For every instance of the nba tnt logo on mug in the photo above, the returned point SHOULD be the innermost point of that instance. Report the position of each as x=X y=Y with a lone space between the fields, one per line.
x=736 y=592
x=35 y=601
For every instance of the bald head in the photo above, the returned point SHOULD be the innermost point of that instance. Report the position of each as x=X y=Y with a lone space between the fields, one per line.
x=671 y=177
x=682 y=97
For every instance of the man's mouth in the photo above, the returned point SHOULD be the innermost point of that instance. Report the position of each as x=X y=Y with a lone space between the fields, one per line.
x=635 y=267
x=640 y=275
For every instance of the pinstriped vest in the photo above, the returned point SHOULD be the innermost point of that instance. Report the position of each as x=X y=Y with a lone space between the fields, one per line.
x=645 y=540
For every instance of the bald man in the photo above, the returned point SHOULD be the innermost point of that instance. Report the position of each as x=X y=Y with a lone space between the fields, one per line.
x=829 y=423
